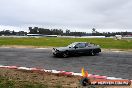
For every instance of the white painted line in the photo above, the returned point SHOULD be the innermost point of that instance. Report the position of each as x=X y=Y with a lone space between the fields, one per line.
x=4 y=47
x=42 y=48
x=117 y=51
x=77 y=74
x=47 y=70
x=25 y=47
x=24 y=68
x=4 y=66
x=55 y=71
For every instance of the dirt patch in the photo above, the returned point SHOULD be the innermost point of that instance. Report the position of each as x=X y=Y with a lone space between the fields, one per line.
x=51 y=80
x=21 y=77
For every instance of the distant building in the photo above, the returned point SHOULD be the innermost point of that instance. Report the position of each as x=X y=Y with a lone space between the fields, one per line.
x=50 y=35
x=41 y=35
x=118 y=37
x=34 y=34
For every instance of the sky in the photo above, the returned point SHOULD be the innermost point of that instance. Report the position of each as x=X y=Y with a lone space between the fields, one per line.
x=76 y=15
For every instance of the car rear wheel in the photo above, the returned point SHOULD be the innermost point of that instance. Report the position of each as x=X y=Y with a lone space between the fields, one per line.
x=93 y=53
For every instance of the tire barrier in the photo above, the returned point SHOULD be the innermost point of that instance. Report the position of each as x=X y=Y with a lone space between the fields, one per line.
x=85 y=82
x=62 y=73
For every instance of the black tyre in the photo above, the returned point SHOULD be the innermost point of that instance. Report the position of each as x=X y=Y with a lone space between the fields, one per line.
x=85 y=82
x=93 y=53
x=65 y=54
x=54 y=55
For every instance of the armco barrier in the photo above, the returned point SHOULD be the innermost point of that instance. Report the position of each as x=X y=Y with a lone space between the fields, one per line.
x=61 y=72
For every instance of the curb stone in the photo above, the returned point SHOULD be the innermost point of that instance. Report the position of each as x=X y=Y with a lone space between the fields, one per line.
x=61 y=72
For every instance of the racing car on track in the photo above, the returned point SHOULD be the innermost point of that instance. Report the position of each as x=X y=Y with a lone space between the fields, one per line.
x=77 y=48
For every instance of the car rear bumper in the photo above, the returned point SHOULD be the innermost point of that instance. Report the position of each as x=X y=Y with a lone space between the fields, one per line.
x=98 y=50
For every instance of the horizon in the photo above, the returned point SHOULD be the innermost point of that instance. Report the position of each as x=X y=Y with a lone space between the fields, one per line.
x=26 y=29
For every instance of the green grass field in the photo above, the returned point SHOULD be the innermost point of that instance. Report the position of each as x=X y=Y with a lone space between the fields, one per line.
x=107 y=43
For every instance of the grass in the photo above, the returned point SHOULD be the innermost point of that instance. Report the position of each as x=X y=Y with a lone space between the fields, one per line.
x=107 y=43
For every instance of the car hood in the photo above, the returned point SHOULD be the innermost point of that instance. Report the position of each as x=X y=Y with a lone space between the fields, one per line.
x=62 y=48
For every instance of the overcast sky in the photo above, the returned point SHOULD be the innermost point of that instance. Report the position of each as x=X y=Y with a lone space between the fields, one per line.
x=78 y=15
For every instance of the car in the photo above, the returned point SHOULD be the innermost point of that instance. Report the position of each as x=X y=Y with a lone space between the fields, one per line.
x=77 y=48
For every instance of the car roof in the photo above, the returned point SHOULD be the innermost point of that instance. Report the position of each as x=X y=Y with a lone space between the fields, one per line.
x=79 y=42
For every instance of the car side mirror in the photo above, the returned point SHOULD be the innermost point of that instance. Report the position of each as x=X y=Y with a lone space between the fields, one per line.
x=75 y=47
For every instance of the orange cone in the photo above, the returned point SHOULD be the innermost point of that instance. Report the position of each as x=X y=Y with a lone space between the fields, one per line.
x=86 y=73
x=83 y=72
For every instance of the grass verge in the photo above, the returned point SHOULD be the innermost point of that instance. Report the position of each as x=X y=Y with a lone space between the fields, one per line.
x=107 y=43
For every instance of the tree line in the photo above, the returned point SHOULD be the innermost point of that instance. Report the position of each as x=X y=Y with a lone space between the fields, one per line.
x=67 y=32
x=9 y=33
x=44 y=31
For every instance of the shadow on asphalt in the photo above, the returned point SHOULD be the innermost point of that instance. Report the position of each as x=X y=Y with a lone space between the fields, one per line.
x=78 y=56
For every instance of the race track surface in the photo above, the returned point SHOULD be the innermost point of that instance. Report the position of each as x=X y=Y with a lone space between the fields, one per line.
x=115 y=64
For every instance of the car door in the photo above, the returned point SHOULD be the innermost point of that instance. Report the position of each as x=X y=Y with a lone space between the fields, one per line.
x=72 y=50
x=80 y=48
x=89 y=48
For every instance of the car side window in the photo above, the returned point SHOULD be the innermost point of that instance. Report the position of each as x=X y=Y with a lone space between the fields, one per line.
x=81 y=45
x=86 y=44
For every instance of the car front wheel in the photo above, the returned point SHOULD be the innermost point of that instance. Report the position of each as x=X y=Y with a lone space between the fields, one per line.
x=65 y=54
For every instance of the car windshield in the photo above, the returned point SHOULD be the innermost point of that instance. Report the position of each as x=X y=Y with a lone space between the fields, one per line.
x=72 y=45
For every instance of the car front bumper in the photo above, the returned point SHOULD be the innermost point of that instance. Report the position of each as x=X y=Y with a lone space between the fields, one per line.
x=56 y=52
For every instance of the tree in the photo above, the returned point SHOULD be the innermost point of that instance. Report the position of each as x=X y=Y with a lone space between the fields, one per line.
x=13 y=32
x=34 y=30
x=67 y=32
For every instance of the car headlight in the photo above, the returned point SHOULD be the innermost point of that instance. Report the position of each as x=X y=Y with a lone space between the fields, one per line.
x=55 y=50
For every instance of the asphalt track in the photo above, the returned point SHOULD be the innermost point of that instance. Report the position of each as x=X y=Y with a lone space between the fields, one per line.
x=109 y=63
